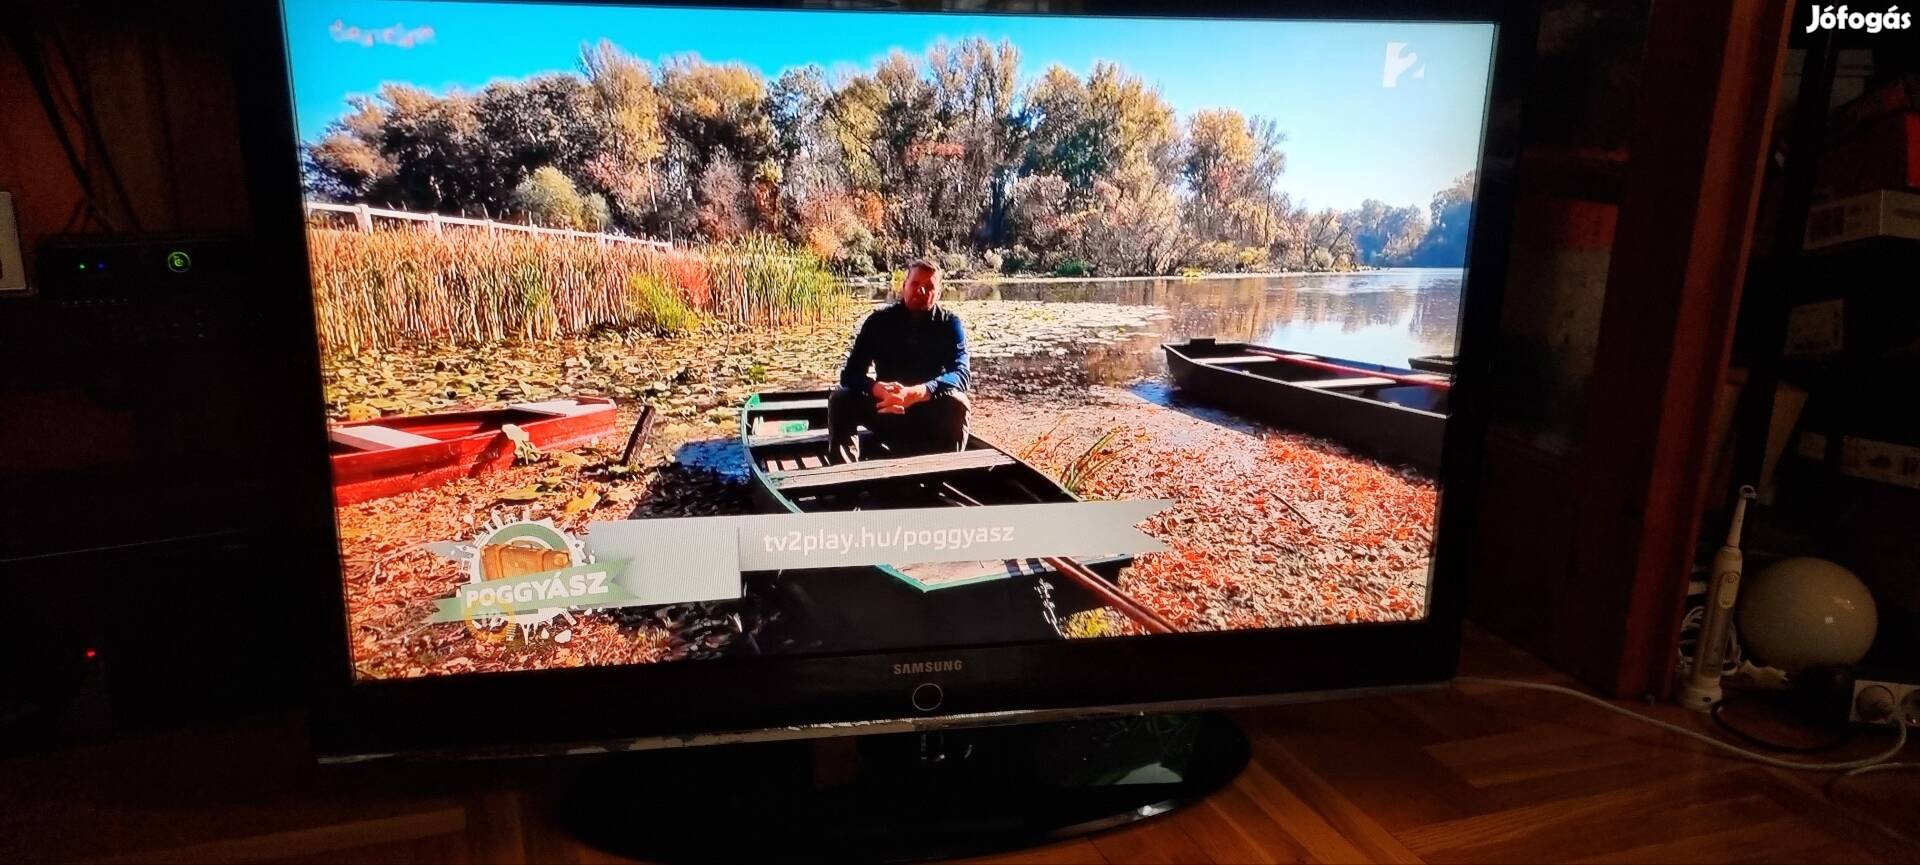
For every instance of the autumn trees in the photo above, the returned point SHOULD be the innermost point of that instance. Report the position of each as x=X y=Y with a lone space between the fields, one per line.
x=950 y=153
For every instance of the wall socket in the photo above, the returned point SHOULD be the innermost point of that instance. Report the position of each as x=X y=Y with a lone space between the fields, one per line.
x=1904 y=700
x=13 y=265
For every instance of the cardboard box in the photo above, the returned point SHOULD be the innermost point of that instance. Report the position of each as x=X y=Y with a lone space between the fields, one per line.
x=1886 y=213
x=1886 y=462
x=1882 y=154
x=1854 y=305
x=1817 y=329
x=1901 y=95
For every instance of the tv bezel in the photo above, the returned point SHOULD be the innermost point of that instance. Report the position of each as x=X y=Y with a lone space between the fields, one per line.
x=694 y=701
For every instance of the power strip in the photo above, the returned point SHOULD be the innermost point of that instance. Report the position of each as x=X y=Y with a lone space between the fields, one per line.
x=1885 y=703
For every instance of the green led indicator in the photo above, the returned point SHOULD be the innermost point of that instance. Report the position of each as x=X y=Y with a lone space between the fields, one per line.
x=83 y=265
x=178 y=261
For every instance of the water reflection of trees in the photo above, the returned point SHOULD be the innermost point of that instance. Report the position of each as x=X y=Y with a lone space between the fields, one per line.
x=1436 y=317
x=1410 y=312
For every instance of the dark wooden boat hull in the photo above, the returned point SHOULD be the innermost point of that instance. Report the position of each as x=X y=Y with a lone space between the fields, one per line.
x=1391 y=421
x=903 y=606
x=1440 y=363
x=393 y=455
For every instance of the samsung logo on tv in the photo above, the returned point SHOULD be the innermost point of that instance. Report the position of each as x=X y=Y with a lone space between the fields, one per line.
x=918 y=667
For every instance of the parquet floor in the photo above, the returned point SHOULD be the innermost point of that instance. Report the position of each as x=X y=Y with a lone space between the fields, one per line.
x=1470 y=774
x=1484 y=774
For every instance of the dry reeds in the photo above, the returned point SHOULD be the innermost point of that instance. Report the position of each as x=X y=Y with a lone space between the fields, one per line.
x=383 y=289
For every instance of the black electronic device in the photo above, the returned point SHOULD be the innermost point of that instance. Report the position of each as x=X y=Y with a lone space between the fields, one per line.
x=686 y=148
x=139 y=458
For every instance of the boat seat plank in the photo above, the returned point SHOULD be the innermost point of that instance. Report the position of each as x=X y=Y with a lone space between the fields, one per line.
x=816 y=436
x=1236 y=358
x=897 y=467
x=1431 y=376
x=373 y=437
x=789 y=405
x=810 y=437
x=934 y=575
x=1343 y=383
x=565 y=407
x=941 y=575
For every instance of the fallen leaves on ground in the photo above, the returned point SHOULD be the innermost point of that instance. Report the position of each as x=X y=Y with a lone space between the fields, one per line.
x=1270 y=529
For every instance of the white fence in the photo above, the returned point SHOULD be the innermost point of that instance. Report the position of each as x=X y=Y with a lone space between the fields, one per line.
x=363 y=217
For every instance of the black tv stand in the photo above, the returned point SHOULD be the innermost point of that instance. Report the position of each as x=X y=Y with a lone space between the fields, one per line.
x=897 y=797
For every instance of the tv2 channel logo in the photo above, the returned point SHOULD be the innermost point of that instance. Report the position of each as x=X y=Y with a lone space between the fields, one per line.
x=1841 y=18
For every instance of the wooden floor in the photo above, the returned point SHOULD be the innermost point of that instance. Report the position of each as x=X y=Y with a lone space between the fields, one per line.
x=1486 y=774
x=1469 y=774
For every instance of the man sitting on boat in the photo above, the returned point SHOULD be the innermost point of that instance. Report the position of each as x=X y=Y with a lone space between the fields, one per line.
x=915 y=399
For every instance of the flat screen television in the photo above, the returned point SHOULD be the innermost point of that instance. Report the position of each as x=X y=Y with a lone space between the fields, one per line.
x=794 y=369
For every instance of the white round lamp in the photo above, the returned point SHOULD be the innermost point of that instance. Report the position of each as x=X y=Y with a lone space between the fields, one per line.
x=1805 y=612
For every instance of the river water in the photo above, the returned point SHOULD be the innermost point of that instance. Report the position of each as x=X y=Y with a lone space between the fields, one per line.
x=1379 y=316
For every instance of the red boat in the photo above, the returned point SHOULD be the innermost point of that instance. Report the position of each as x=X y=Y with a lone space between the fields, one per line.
x=396 y=454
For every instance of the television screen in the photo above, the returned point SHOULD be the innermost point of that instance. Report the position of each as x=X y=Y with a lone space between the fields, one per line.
x=660 y=334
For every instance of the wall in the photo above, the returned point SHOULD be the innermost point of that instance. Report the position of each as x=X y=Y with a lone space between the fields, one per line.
x=85 y=423
x=161 y=90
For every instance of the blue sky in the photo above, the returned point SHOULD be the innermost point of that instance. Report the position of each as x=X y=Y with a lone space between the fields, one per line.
x=1349 y=137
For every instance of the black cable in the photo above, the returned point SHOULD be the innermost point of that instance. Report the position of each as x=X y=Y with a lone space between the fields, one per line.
x=76 y=216
x=157 y=72
x=1840 y=738
x=1899 y=733
x=34 y=62
x=90 y=124
x=67 y=97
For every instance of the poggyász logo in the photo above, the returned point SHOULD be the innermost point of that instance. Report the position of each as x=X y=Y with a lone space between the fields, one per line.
x=1841 y=18
x=522 y=576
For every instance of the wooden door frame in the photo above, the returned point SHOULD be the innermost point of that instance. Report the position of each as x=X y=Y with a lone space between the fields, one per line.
x=1711 y=72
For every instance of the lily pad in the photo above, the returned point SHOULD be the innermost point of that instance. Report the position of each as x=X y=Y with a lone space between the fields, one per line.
x=528 y=493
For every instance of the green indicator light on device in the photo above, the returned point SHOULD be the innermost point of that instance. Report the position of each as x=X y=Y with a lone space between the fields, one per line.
x=179 y=262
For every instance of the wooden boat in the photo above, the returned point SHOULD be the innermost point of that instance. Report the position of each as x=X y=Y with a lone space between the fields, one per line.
x=1394 y=414
x=392 y=455
x=1440 y=363
x=785 y=438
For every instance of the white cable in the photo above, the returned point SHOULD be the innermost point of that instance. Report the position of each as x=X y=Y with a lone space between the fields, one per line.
x=1882 y=767
x=1875 y=762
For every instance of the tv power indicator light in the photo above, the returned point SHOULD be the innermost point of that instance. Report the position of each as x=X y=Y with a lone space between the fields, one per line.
x=179 y=262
